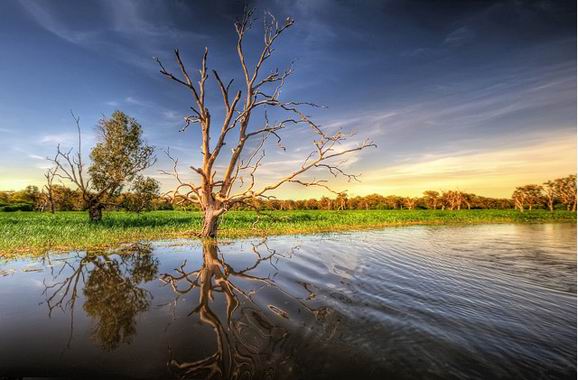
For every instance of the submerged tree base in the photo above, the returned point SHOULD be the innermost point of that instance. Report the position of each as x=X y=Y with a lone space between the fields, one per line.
x=24 y=233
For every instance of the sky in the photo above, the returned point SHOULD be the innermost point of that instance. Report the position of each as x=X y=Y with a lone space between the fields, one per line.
x=478 y=96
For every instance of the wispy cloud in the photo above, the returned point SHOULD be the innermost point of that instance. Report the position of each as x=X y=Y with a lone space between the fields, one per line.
x=134 y=101
x=459 y=37
x=141 y=29
x=491 y=172
x=171 y=115
x=58 y=138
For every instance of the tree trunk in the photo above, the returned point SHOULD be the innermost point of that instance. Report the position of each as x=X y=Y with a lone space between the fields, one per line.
x=210 y=224
x=51 y=202
x=95 y=213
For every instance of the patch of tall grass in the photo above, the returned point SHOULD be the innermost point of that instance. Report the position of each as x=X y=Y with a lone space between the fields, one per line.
x=34 y=232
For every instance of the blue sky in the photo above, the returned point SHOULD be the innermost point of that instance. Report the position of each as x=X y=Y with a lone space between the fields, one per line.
x=479 y=96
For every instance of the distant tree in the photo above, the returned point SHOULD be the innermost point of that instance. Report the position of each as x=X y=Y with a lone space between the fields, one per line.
x=533 y=195
x=469 y=199
x=566 y=191
x=431 y=199
x=66 y=199
x=311 y=204
x=30 y=196
x=144 y=190
x=48 y=189
x=550 y=194
x=325 y=203
x=519 y=198
x=117 y=158
x=528 y=195
x=452 y=199
x=393 y=202
x=4 y=198
x=341 y=201
x=409 y=203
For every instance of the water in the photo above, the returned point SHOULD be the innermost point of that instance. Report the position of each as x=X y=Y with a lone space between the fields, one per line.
x=481 y=302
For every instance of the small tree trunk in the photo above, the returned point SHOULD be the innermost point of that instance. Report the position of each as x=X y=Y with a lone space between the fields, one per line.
x=95 y=213
x=210 y=224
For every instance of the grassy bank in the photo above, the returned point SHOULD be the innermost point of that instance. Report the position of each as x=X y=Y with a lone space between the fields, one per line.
x=33 y=232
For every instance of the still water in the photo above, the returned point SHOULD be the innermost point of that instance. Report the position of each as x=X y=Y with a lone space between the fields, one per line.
x=480 y=302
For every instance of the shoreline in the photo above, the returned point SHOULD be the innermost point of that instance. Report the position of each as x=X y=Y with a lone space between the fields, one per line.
x=33 y=234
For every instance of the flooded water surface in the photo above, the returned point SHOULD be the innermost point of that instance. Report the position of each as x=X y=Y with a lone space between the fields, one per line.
x=480 y=302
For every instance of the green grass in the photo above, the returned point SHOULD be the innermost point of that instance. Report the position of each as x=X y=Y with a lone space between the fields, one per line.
x=34 y=232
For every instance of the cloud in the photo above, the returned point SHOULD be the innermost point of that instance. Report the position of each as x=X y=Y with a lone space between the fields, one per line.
x=489 y=172
x=49 y=21
x=459 y=37
x=59 y=138
x=171 y=115
x=130 y=31
x=131 y=100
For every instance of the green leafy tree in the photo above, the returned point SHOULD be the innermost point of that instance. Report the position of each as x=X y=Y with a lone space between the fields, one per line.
x=144 y=191
x=117 y=158
x=114 y=297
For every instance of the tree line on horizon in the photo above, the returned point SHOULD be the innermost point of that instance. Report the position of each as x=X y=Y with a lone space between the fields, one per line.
x=144 y=195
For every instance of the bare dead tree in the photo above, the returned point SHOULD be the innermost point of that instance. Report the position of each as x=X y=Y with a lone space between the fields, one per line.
x=215 y=281
x=237 y=184
x=69 y=167
x=48 y=188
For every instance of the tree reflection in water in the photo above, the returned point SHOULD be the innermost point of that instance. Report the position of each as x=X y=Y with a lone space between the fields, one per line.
x=250 y=342
x=110 y=286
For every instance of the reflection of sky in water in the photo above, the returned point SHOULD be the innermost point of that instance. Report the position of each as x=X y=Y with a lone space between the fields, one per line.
x=479 y=301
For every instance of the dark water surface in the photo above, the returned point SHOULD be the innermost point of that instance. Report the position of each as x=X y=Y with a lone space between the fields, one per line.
x=483 y=302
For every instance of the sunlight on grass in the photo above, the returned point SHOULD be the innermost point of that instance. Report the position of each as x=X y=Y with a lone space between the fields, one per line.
x=32 y=232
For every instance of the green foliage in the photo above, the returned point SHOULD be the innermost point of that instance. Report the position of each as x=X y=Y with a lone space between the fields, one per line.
x=113 y=297
x=120 y=154
x=35 y=232
x=144 y=191
x=17 y=207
